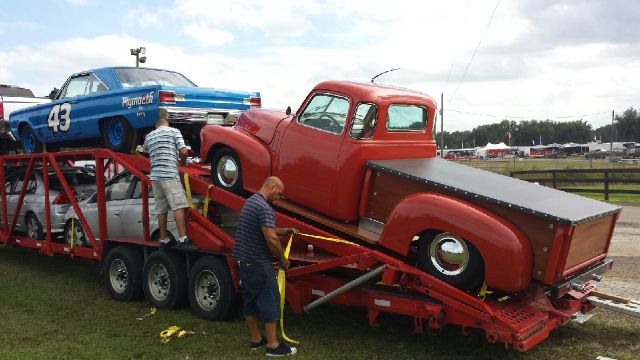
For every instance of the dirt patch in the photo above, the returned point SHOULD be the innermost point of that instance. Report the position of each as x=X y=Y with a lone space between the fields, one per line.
x=624 y=278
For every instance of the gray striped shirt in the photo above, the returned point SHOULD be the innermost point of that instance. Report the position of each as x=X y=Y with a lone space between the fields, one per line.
x=162 y=145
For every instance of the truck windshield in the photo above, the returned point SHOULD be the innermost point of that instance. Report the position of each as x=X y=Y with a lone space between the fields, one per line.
x=143 y=77
x=406 y=118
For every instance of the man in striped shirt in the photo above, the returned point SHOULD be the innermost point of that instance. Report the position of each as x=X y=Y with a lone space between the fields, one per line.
x=166 y=148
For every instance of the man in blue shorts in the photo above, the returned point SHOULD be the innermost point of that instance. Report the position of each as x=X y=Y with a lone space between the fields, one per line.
x=257 y=242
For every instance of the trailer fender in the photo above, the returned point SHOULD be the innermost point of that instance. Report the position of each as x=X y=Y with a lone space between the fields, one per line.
x=505 y=250
x=255 y=159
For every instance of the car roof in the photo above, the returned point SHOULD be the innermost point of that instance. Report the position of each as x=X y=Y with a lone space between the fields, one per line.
x=373 y=91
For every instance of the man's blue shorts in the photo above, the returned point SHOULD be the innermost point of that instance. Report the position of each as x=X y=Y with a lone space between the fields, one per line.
x=261 y=294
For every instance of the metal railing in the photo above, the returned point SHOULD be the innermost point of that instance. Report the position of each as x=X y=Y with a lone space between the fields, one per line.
x=606 y=177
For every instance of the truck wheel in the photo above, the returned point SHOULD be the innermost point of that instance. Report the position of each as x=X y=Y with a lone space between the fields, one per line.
x=165 y=280
x=118 y=134
x=34 y=227
x=29 y=140
x=123 y=273
x=452 y=259
x=211 y=294
x=226 y=171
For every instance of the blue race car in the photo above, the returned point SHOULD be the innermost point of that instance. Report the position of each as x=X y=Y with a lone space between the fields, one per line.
x=120 y=104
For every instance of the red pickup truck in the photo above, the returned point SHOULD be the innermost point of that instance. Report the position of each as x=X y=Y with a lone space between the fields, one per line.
x=360 y=159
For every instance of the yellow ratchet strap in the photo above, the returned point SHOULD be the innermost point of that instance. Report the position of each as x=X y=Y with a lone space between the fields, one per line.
x=205 y=210
x=166 y=334
x=73 y=230
x=188 y=189
x=282 y=286
x=483 y=291
x=329 y=239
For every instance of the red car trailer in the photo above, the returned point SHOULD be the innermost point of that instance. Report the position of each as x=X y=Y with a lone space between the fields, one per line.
x=322 y=271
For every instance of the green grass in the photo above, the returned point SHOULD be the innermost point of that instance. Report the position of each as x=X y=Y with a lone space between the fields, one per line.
x=55 y=308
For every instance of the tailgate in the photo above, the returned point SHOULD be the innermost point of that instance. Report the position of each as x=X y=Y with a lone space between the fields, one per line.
x=588 y=243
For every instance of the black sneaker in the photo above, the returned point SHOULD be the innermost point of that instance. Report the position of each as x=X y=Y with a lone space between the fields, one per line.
x=258 y=345
x=165 y=243
x=187 y=245
x=281 y=350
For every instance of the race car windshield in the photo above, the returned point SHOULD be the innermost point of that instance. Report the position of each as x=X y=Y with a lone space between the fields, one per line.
x=143 y=77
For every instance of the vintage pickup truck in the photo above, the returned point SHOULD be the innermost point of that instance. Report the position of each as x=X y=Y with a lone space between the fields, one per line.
x=118 y=104
x=360 y=159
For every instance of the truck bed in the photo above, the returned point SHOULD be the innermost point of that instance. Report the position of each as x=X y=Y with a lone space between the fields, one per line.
x=470 y=183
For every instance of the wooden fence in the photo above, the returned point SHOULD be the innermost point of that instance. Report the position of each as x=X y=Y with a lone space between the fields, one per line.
x=574 y=177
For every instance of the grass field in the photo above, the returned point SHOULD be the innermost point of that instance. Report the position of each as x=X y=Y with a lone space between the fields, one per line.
x=55 y=308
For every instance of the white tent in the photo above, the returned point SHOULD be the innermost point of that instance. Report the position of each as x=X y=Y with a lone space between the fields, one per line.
x=483 y=151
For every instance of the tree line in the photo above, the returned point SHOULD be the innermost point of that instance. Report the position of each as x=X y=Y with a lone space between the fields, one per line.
x=536 y=132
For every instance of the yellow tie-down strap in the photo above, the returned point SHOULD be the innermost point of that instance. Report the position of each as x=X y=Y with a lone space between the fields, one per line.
x=282 y=277
x=205 y=203
x=188 y=189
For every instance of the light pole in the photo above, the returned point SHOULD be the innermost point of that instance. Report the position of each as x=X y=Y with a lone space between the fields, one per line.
x=139 y=53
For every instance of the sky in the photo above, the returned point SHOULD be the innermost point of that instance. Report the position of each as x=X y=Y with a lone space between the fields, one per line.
x=561 y=60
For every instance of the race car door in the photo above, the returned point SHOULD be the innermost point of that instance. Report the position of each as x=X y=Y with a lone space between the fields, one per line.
x=60 y=120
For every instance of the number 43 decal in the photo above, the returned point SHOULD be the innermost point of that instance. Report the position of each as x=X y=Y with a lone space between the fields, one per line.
x=60 y=117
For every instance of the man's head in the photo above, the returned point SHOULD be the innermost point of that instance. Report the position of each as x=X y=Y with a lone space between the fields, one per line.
x=162 y=118
x=272 y=188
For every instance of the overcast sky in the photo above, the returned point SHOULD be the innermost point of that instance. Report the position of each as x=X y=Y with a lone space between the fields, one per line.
x=538 y=59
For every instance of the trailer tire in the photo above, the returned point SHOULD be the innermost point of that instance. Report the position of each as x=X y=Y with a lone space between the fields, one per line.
x=451 y=259
x=211 y=293
x=226 y=171
x=165 y=280
x=123 y=273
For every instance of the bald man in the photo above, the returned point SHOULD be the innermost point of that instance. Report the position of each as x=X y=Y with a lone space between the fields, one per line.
x=257 y=242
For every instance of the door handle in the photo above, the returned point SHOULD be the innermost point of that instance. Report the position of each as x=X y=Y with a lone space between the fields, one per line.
x=117 y=212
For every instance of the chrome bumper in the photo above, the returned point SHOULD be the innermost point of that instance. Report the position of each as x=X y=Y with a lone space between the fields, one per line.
x=203 y=116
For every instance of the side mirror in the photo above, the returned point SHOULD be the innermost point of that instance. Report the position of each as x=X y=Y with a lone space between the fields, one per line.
x=53 y=93
x=288 y=111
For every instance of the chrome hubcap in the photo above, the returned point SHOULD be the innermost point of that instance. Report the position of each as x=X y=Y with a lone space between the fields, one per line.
x=207 y=290
x=118 y=276
x=159 y=283
x=227 y=171
x=449 y=254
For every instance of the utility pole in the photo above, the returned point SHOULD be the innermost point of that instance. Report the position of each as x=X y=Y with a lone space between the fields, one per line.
x=441 y=124
x=611 y=140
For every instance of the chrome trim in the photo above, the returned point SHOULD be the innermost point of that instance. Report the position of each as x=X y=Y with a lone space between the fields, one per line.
x=227 y=171
x=371 y=225
x=201 y=114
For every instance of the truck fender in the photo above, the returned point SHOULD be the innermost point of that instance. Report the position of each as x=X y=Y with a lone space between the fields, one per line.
x=505 y=250
x=255 y=159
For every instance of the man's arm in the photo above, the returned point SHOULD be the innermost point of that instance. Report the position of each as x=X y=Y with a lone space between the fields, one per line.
x=182 y=148
x=183 y=155
x=273 y=242
x=286 y=231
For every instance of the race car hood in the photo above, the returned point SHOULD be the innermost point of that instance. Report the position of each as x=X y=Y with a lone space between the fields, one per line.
x=261 y=122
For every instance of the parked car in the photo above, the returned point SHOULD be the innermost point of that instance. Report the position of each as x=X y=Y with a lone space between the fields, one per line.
x=124 y=213
x=119 y=104
x=633 y=152
x=596 y=154
x=13 y=98
x=32 y=211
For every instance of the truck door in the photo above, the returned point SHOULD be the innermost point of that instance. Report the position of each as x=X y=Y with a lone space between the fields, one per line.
x=60 y=120
x=310 y=148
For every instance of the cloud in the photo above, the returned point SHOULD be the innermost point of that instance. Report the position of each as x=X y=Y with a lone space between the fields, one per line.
x=78 y=2
x=203 y=33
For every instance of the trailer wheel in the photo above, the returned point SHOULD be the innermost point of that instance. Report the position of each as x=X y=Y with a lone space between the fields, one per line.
x=452 y=259
x=30 y=142
x=118 y=134
x=123 y=273
x=34 y=227
x=211 y=293
x=165 y=280
x=226 y=171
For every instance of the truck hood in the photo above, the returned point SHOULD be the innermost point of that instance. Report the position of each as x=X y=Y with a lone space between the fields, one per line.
x=261 y=122
x=197 y=97
x=467 y=182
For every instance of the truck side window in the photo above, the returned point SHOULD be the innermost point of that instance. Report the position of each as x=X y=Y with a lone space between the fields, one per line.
x=406 y=118
x=364 y=121
x=76 y=86
x=326 y=112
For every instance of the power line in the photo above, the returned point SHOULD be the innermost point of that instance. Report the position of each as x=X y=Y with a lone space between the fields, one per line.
x=464 y=76
x=526 y=117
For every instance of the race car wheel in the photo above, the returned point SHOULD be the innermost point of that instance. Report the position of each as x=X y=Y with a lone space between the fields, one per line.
x=165 y=280
x=118 y=134
x=123 y=273
x=211 y=293
x=226 y=171
x=452 y=259
x=29 y=140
